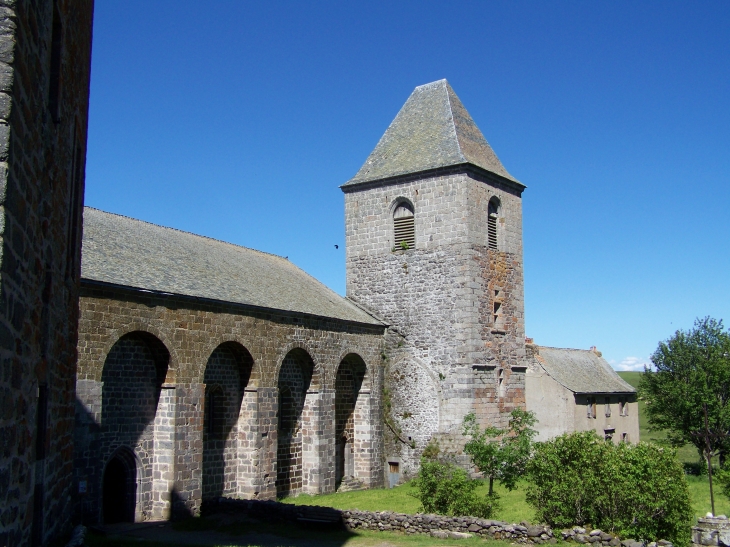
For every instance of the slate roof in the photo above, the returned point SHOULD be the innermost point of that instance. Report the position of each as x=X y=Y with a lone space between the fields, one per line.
x=129 y=252
x=581 y=371
x=432 y=130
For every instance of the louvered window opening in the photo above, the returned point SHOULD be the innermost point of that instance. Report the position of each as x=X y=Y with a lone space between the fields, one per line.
x=492 y=231
x=404 y=228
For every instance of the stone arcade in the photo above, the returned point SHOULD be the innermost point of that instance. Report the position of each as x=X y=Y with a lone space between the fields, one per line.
x=208 y=370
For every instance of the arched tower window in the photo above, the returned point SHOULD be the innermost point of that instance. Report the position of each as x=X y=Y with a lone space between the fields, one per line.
x=494 y=207
x=404 y=227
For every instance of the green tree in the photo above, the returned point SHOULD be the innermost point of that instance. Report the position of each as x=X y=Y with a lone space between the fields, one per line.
x=692 y=377
x=501 y=454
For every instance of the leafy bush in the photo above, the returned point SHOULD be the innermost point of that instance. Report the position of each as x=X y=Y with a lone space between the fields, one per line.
x=634 y=490
x=448 y=490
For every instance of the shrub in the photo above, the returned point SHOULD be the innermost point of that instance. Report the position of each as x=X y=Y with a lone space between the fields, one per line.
x=448 y=490
x=633 y=490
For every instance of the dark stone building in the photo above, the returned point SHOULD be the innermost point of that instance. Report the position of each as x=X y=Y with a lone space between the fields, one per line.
x=45 y=54
x=207 y=370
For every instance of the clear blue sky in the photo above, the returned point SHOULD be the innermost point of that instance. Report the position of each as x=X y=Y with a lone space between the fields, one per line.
x=239 y=120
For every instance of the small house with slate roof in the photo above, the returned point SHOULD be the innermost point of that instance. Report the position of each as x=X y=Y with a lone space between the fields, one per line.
x=207 y=370
x=577 y=390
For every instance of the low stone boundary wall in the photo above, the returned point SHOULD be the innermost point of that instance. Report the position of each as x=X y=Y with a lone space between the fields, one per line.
x=713 y=531
x=439 y=526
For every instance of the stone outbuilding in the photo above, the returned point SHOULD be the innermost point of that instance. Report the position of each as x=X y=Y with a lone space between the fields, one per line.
x=577 y=390
x=210 y=370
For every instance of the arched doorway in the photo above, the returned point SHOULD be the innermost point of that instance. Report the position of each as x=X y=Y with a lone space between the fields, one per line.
x=226 y=377
x=293 y=447
x=119 y=488
x=348 y=386
x=137 y=415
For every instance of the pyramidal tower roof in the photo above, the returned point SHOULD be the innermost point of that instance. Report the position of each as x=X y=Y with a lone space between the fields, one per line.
x=432 y=130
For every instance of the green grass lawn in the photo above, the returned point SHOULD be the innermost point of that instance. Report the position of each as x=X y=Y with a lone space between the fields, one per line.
x=401 y=500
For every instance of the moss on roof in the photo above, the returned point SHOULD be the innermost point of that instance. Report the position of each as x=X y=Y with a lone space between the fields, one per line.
x=432 y=130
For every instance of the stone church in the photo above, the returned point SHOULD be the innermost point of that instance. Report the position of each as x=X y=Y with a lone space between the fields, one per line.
x=210 y=370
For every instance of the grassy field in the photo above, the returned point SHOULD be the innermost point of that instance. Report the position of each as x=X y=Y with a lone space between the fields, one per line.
x=687 y=454
x=514 y=506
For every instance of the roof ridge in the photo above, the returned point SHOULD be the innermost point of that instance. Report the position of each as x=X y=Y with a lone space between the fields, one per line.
x=453 y=122
x=172 y=228
x=571 y=349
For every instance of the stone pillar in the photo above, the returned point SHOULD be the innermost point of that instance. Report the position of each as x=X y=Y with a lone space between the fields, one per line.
x=311 y=438
x=249 y=443
x=188 y=453
x=363 y=442
x=163 y=475
x=326 y=441
x=87 y=465
x=266 y=445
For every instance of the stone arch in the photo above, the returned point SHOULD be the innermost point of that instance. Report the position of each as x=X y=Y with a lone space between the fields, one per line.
x=255 y=375
x=352 y=426
x=227 y=421
x=113 y=336
x=297 y=425
x=119 y=487
x=397 y=202
x=136 y=412
x=317 y=381
x=367 y=383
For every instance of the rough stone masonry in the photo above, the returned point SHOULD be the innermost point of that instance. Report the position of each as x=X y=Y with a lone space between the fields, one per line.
x=45 y=57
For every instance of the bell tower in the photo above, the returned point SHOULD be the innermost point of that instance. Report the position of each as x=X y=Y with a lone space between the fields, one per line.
x=434 y=247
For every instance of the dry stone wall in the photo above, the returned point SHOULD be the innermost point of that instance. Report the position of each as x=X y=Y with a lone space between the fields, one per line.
x=439 y=526
x=447 y=353
x=148 y=365
x=45 y=53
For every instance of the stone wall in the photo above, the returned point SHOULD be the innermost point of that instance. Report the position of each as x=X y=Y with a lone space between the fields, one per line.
x=45 y=53
x=446 y=354
x=439 y=526
x=172 y=356
x=713 y=531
